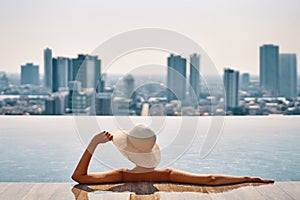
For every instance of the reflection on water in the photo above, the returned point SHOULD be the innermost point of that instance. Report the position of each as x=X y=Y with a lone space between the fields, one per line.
x=83 y=192
x=47 y=149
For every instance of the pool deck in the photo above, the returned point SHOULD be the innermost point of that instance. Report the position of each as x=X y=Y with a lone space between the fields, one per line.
x=20 y=190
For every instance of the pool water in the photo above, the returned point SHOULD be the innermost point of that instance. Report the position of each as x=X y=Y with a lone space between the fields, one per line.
x=47 y=148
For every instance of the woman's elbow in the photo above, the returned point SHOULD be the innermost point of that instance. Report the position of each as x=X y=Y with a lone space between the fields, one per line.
x=212 y=180
x=76 y=178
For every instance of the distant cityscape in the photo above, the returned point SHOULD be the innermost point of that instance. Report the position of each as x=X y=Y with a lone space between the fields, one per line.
x=77 y=86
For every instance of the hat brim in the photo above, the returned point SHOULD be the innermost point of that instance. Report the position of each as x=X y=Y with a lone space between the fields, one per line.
x=148 y=160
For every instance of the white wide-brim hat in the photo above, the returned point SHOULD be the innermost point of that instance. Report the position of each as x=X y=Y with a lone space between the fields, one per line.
x=138 y=145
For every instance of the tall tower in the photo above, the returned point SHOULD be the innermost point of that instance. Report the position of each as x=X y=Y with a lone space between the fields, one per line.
x=176 y=78
x=231 y=84
x=195 y=74
x=288 y=75
x=30 y=74
x=60 y=73
x=48 y=68
x=103 y=103
x=4 y=83
x=245 y=81
x=128 y=85
x=269 y=68
x=87 y=70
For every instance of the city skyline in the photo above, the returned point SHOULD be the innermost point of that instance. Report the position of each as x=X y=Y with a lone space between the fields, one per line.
x=228 y=31
x=269 y=68
x=78 y=89
x=116 y=71
x=47 y=54
x=69 y=66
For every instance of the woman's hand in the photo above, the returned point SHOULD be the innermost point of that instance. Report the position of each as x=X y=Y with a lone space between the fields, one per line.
x=260 y=180
x=102 y=137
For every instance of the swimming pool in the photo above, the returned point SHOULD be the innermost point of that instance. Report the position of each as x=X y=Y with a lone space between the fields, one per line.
x=47 y=148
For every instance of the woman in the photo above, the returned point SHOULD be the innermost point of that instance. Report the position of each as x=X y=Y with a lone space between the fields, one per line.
x=139 y=146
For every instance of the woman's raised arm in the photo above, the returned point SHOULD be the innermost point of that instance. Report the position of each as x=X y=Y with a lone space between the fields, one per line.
x=81 y=174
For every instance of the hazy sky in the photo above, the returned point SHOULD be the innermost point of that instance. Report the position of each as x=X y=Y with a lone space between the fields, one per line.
x=230 y=31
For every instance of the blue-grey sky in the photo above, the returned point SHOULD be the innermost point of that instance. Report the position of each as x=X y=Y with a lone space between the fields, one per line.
x=230 y=31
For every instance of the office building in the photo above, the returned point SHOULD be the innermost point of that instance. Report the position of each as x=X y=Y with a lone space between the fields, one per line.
x=195 y=75
x=48 y=68
x=101 y=83
x=128 y=81
x=30 y=74
x=3 y=81
x=231 y=86
x=121 y=106
x=176 y=78
x=245 y=80
x=87 y=70
x=288 y=75
x=80 y=100
x=60 y=67
x=103 y=103
x=269 y=69
x=55 y=105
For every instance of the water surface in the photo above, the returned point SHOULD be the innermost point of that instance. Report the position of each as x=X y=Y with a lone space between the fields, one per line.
x=47 y=148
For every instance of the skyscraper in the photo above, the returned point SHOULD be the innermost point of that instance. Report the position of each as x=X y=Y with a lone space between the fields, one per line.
x=195 y=74
x=288 y=75
x=103 y=103
x=128 y=85
x=176 y=78
x=3 y=81
x=48 y=68
x=245 y=81
x=30 y=74
x=231 y=85
x=269 y=69
x=60 y=73
x=80 y=101
x=55 y=105
x=87 y=70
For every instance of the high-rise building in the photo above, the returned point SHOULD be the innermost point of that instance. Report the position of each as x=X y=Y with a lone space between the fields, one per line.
x=195 y=74
x=288 y=75
x=245 y=81
x=80 y=101
x=60 y=67
x=30 y=74
x=55 y=105
x=231 y=85
x=3 y=81
x=121 y=106
x=103 y=103
x=128 y=85
x=87 y=70
x=269 y=69
x=176 y=78
x=48 y=68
